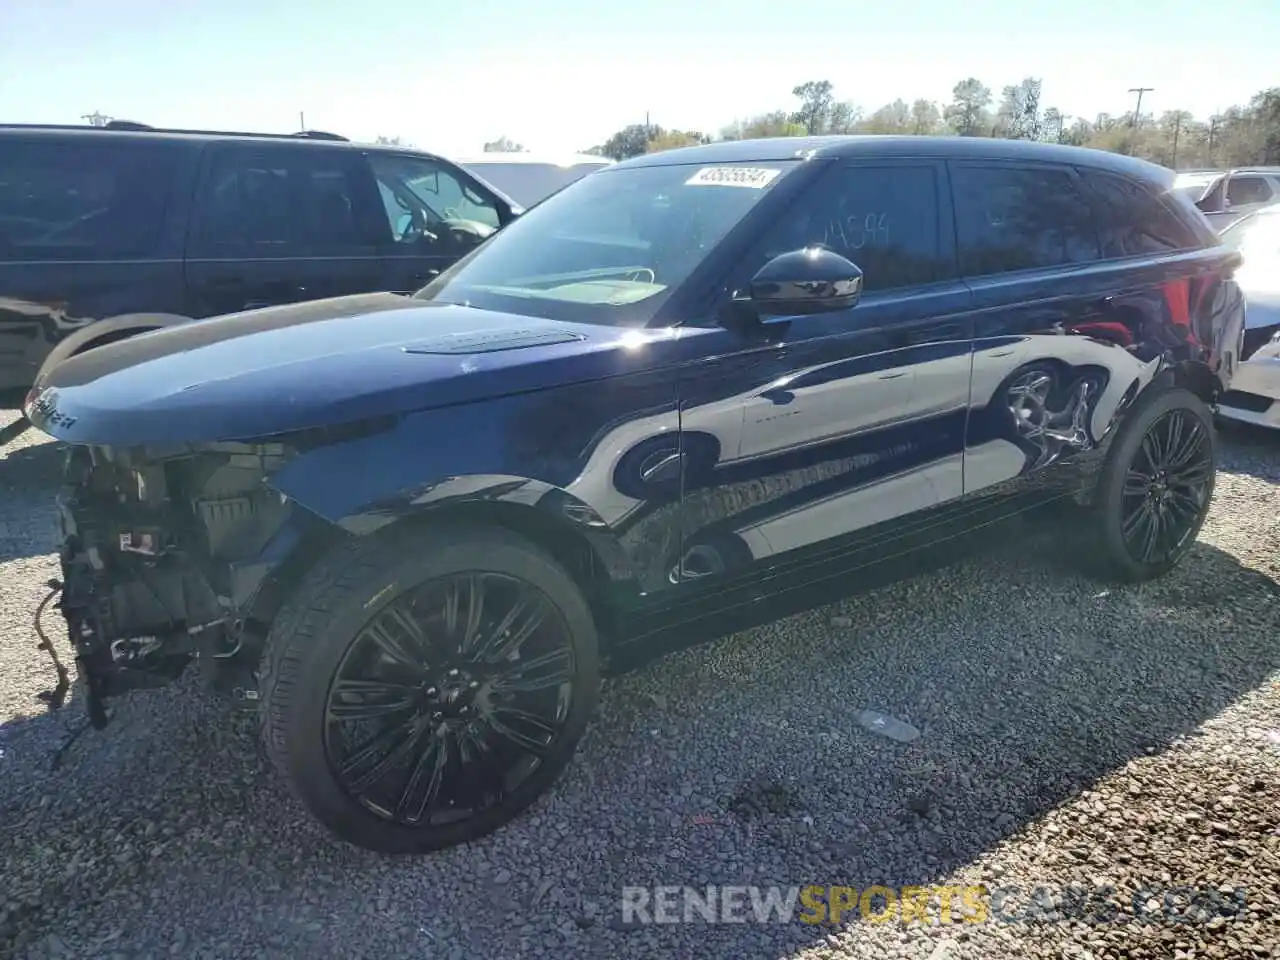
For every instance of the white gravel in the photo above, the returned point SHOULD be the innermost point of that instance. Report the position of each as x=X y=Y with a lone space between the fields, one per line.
x=1070 y=734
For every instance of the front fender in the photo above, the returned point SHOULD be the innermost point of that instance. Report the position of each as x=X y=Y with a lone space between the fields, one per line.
x=101 y=332
x=496 y=456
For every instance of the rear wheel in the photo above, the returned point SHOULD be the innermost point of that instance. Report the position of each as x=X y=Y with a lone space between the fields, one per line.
x=1157 y=486
x=422 y=691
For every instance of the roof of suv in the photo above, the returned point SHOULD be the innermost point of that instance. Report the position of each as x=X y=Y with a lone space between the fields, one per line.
x=956 y=148
x=129 y=131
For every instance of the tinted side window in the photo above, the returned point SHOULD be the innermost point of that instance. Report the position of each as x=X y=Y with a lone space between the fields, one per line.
x=83 y=201
x=1134 y=221
x=259 y=202
x=884 y=219
x=1020 y=218
x=1248 y=190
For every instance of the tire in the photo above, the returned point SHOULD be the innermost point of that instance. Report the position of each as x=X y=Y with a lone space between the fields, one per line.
x=1187 y=495
x=324 y=634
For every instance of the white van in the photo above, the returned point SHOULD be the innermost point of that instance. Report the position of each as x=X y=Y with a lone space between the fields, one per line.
x=530 y=177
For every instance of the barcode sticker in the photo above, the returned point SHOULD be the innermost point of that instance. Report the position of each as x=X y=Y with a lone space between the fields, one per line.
x=755 y=178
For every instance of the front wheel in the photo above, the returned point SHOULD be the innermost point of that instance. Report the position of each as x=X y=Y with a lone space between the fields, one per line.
x=1156 y=487
x=421 y=690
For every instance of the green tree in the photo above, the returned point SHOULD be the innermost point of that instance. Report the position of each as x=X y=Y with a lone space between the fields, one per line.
x=892 y=118
x=1018 y=117
x=631 y=141
x=926 y=118
x=1054 y=126
x=503 y=145
x=674 y=139
x=816 y=100
x=844 y=117
x=775 y=124
x=1265 y=107
x=967 y=113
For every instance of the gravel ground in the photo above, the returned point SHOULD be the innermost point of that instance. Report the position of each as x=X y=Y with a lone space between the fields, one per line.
x=1070 y=734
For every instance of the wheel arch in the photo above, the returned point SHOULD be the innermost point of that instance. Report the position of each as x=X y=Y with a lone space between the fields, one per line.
x=592 y=559
x=586 y=559
x=1197 y=377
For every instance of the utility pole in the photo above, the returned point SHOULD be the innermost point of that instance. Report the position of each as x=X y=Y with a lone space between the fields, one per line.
x=1177 y=129
x=95 y=119
x=302 y=121
x=1137 y=110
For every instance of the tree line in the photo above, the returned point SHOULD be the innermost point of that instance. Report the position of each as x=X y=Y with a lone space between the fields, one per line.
x=1246 y=134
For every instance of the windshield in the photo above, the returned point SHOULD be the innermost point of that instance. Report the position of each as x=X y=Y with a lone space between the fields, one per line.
x=1194 y=185
x=610 y=248
x=527 y=183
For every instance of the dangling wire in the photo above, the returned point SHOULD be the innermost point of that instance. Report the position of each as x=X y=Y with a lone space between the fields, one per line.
x=58 y=695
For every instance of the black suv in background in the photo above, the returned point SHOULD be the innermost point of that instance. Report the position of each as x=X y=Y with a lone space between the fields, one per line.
x=101 y=224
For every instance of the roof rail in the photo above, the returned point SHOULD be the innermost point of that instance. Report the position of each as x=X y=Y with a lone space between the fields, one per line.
x=319 y=135
x=133 y=126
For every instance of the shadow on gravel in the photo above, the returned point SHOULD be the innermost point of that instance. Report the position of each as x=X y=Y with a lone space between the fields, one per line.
x=29 y=477
x=738 y=762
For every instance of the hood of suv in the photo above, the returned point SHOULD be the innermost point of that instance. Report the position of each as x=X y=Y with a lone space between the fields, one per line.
x=323 y=363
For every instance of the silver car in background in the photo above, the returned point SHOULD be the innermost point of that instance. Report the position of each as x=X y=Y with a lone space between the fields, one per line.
x=1254 y=396
x=1226 y=196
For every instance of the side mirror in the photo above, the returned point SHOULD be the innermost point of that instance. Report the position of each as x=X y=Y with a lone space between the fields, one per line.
x=812 y=280
x=1215 y=201
x=508 y=213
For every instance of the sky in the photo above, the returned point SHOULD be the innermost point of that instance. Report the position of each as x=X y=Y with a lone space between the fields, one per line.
x=562 y=75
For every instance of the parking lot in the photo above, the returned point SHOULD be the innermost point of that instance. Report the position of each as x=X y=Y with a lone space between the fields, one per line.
x=1071 y=734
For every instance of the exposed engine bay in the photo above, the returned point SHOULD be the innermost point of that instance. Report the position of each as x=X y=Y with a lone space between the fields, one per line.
x=161 y=558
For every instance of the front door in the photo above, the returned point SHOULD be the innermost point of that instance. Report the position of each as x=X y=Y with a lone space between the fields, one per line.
x=280 y=223
x=804 y=435
x=433 y=214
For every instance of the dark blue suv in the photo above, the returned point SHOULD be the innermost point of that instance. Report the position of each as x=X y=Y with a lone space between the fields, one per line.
x=414 y=528
x=105 y=231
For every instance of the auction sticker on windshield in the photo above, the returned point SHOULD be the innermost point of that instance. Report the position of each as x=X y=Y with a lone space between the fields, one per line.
x=755 y=178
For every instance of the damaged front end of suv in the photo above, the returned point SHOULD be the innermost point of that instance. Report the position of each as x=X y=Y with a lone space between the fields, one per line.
x=294 y=502
x=164 y=556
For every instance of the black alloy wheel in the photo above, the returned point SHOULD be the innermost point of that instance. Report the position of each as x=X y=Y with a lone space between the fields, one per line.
x=1167 y=487
x=1156 y=485
x=423 y=686
x=449 y=698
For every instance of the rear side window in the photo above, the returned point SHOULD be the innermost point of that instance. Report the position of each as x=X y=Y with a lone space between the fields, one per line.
x=1135 y=221
x=1020 y=218
x=84 y=201
x=257 y=202
x=1245 y=189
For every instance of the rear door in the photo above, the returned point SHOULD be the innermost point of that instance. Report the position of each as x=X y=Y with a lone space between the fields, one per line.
x=431 y=214
x=90 y=227
x=281 y=223
x=1080 y=285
